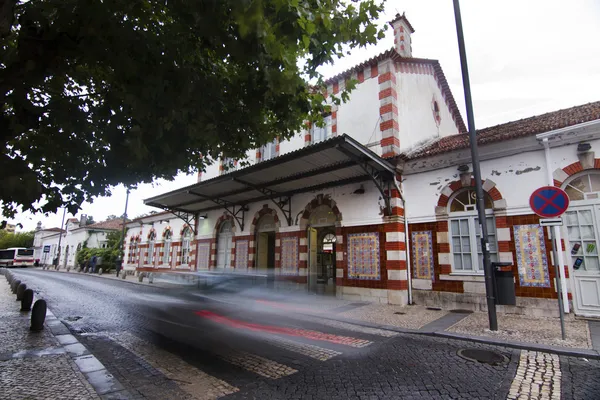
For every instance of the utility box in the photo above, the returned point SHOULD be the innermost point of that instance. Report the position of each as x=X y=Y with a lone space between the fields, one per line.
x=504 y=284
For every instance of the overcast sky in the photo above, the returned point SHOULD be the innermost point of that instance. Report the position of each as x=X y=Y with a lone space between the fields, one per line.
x=526 y=57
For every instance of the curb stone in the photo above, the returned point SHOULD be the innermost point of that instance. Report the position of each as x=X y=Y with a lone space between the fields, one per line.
x=90 y=367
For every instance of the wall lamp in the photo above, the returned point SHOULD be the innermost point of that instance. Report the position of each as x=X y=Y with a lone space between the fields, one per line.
x=463 y=168
x=203 y=216
x=583 y=147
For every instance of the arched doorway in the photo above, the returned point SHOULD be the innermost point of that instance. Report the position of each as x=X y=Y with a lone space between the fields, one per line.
x=265 y=243
x=224 y=244
x=582 y=223
x=321 y=249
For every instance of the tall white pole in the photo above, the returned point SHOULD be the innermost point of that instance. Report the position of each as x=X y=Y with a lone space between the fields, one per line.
x=557 y=236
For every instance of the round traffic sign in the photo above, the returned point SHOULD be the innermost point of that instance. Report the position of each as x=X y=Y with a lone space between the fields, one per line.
x=549 y=201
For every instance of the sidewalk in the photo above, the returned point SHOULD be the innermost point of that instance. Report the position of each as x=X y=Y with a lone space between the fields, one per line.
x=50 y=364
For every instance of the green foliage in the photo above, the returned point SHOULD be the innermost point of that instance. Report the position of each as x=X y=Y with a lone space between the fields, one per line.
x=108 y=256
x=19 y=239
x=113 y=239
x=98 y=93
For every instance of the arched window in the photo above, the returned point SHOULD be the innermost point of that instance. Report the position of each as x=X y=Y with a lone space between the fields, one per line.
x=186 y=244
x=224 y=243
x=167 y=246
x=329 y=242
x=465 y=232
x=584 y=187
x=151 y=241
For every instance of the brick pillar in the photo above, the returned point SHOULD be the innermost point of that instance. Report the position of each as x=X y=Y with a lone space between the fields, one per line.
x=395 y=249
x=340 y=264
x=303 y=254
x=388 y=110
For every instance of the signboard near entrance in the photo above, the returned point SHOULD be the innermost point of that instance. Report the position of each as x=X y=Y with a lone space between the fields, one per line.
x=47 y=248
x=549 y=202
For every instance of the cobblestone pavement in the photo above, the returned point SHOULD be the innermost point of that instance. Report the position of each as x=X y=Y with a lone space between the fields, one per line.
x=538 y=377
x=32 y=364
x=172 y=344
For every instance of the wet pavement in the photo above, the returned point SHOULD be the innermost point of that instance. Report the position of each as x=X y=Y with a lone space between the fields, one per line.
x=178 y=343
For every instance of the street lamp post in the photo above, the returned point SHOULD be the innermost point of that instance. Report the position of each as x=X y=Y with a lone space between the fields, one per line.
x=122 y=241
x=62 y=224
x=487 y=265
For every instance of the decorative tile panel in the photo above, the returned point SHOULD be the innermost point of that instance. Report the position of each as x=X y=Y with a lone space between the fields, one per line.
x=203 y=256
x=241 y=254
x=422 y=247
x=363 y=256
x=289 y=256
x=531 y=256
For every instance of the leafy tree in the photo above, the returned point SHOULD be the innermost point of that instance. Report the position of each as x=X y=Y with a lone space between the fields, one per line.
x=111 y=217
x=90 y=220
x=97 y=93
x=19 y=239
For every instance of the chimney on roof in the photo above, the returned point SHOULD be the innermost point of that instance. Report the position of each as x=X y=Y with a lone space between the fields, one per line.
x=402 y=31
x=83 y=220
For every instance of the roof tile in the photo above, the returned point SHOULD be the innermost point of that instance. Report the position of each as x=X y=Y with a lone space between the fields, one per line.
x=512 y=130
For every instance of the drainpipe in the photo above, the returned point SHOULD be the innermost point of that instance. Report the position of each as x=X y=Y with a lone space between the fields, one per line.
x=406 y=241
x=557 y=236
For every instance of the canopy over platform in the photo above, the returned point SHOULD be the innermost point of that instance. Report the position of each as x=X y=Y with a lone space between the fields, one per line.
x=337 y=161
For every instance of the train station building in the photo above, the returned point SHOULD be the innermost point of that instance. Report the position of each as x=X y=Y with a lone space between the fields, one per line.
x=378 y=205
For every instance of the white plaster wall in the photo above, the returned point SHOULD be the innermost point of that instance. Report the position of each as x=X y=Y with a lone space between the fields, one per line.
x=415 y=114
x=359 y=117
x=363 y=209
x=294 y=143
x=516 y=177
x=212 y=171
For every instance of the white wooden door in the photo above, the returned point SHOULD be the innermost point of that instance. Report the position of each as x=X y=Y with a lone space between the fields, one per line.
x=582 y=224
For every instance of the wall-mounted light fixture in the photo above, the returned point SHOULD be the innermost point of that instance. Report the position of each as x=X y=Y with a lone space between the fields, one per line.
x=463 y=168
x=583 y=147
x=203 y=216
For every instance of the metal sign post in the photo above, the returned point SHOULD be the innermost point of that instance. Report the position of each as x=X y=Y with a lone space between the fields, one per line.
x=551 y=202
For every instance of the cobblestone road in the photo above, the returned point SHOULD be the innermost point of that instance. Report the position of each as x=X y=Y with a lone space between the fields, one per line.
x=170 y=344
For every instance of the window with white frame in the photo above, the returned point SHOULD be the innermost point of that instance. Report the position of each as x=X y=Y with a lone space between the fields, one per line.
x=320 y=133
x=268 y=151
x=186 y=245
x=584 y=187
x=465 y=232
x=151 y=239
x=229 y=164
x=167 y=247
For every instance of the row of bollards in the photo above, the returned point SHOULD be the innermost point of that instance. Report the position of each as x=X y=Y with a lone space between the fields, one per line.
x=25 y=296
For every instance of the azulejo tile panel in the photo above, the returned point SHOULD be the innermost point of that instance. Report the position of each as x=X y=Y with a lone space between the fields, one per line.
x=241 y=254
x=363 y=256
x=422 y=247
x=289 y=256
x=203 y=256
x=532 y=262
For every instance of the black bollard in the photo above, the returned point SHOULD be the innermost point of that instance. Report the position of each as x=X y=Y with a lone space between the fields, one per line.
x=27 y=300
x=15 y=285
x=20 y=290
x=38 y=315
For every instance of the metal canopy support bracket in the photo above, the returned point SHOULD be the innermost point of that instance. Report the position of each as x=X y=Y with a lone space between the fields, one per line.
x=376 y=176
x=186 y=217
x=283 y=202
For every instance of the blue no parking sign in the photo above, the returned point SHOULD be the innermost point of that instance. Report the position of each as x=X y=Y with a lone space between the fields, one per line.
x=549 y=201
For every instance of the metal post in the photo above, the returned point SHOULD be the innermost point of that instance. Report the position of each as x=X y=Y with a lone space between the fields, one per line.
x=62 y=224
x=558 y=284
x=487 y=266
x=122 y=241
